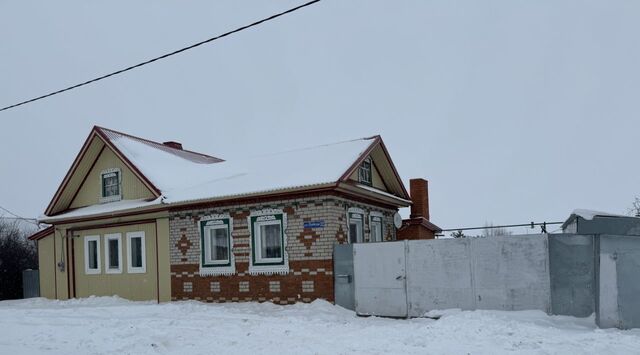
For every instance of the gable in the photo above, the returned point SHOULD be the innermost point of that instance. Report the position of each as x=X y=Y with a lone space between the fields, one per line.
x=376 y=179
x=93 y=147
x=90 y=191
x=384 y=175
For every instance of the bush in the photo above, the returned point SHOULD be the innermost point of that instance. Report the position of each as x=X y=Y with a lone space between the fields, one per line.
x=17 y=253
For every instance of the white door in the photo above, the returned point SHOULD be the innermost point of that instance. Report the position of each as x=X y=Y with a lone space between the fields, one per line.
x=380 y=279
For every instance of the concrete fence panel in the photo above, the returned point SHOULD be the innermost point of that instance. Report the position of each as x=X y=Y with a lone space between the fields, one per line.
x=511 y=273
x=439 y=275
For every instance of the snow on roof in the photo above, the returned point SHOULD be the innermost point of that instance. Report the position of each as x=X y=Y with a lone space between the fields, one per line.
x=103 y=208
x=182 y=180
x=182 y=153
x=590 y=214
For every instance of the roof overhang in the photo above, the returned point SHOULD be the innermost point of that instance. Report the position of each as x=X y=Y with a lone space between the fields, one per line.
x=42 y=233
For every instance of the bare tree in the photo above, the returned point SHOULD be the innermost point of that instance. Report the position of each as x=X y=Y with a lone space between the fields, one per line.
x=634 y=210
x=17 y=253
x=491 y=231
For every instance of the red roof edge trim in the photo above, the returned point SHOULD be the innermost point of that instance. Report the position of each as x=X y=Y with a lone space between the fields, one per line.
x=70 y=172
x=135 y=169
x=42 y=233
x=363 y=155
x=395 y=171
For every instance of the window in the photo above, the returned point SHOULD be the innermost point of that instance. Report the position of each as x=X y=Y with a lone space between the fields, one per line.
x=364 y=173
x=268 y=242
x=113 y=253
x=110 y=185
x=355 y=216
x=375 y=226
x=136 y=253
x=92 y=254
x=216 y=254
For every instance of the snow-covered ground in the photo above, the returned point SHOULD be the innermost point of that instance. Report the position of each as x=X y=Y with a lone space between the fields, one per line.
x=109 y=325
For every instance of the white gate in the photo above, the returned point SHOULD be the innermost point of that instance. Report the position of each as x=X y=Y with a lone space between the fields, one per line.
x=380 y=284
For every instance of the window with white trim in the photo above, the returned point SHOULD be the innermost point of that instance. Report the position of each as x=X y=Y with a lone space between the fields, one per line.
x=110 y=185
x=268 y=241
x=376 y=227
x=215 y=236
x=355 y=217
x=92 y=254
x=136 y=253
x=364 y=172
x=113 y=253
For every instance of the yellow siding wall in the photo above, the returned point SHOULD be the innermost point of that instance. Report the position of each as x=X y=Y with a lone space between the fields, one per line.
x=90 y=191
x=46 y=266
x=133 y=286
x=376 y=179
x=164 y=259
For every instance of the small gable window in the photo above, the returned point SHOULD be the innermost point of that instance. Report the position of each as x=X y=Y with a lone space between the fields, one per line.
x=110 y=182
x=364 y=173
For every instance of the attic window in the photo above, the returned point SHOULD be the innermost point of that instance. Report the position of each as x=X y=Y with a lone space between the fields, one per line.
x=110 y=180
x=364 y=173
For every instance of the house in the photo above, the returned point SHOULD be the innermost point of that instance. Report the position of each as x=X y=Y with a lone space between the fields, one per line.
x=147 y=220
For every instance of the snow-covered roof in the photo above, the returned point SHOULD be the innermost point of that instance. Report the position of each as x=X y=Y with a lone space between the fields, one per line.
x=591 y=214
x=181 y=176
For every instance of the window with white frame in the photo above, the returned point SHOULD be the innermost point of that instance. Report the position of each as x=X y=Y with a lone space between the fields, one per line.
x=216 y=255
x=375 y=227
x=355 y=217
x=268 y=241
x=110 y=183
x=136 y=253
x=113 y=253
x=364 y=173
x=92 y=254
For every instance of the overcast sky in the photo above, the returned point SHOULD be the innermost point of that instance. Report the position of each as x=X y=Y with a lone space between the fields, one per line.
x=513 y=110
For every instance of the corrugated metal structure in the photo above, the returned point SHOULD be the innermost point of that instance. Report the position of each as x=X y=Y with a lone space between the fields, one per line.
x=30 y=283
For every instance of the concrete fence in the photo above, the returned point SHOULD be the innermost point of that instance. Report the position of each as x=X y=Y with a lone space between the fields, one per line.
x=563 y=274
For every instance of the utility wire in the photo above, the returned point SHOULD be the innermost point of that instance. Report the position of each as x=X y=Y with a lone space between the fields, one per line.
x=504 y=226
x=15 y=216
x=272 y=17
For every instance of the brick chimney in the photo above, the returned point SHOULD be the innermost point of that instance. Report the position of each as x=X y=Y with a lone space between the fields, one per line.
x=172 y=144
x=419 y=191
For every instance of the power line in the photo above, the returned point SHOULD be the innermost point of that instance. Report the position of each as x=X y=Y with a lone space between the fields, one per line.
x=272 y=17
x=15 y=216
x=532 y=225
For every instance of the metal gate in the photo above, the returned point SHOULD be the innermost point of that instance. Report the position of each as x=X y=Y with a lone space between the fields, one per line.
x=343 y=276
x=380 y=288
x=30 y=283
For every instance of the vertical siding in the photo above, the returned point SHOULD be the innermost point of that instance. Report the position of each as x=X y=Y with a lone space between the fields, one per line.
x=133 y=286
x=164 y=267
x=376 y=179
x=46 y=266
x=90 y=191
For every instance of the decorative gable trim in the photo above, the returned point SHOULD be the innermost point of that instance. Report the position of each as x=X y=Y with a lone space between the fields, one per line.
x=377 y=141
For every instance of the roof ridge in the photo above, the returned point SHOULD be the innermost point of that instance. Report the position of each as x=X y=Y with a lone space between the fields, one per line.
x=154 y=142
x=314 y=146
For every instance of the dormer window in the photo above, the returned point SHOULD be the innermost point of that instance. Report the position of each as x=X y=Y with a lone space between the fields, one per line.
x=364 y=174
x=110 y=181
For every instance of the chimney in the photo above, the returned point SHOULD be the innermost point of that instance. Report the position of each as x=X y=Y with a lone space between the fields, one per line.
x=419 y=191
x=172 y=144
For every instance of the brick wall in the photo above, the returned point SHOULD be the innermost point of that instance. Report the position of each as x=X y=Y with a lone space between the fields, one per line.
x=309 y=252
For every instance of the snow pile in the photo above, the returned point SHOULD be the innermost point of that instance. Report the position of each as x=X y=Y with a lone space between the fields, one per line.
x=110 y=325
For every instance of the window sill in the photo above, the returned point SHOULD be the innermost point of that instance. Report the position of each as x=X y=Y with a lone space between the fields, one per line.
x=110 y=199
x=269 y=269
x=217 y=270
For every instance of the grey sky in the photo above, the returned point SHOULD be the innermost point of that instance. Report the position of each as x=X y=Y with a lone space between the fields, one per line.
x=513 y=110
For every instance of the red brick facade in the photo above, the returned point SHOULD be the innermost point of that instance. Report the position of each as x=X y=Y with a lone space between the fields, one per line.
x=309 y=251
